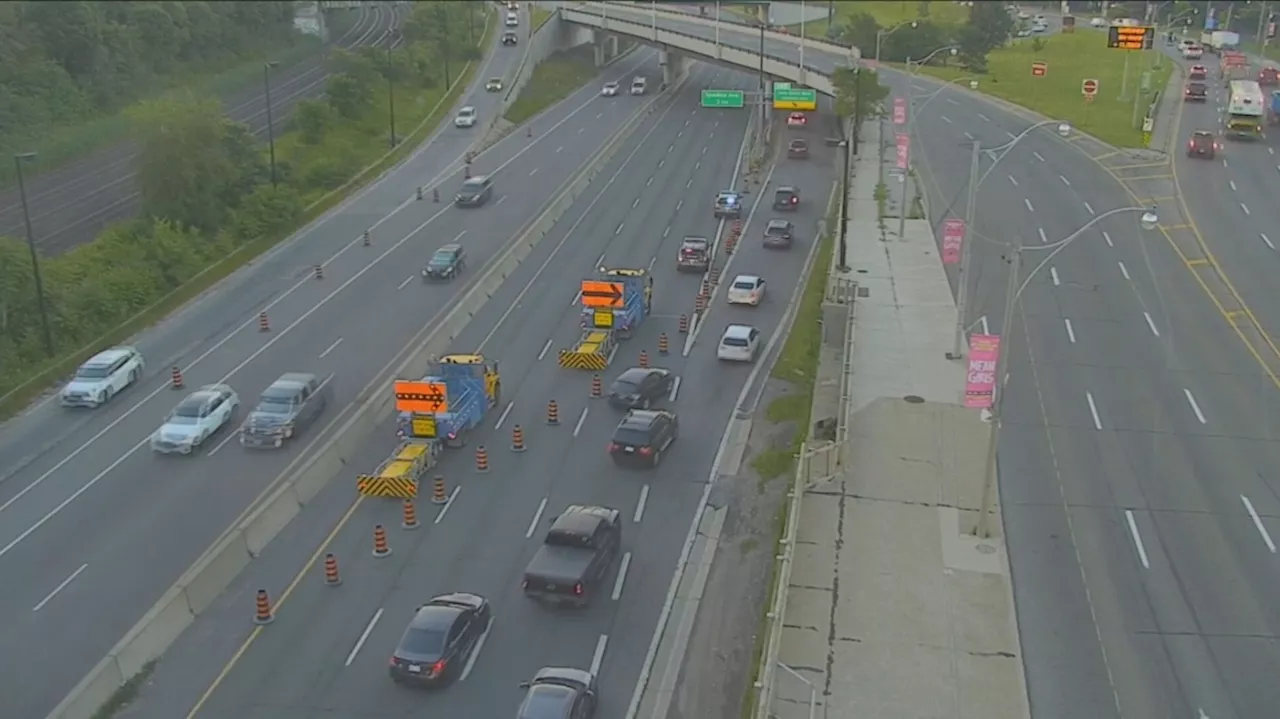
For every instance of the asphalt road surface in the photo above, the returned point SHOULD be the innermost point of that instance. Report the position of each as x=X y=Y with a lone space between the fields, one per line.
x=94 y=528
x=327 y=650
x=71 y=204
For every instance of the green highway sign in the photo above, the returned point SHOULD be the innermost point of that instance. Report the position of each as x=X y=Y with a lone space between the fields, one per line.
x=786 y=97
x=722 y=98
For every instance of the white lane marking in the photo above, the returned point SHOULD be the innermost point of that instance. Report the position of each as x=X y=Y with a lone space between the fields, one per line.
x=697 y=165
x=653 y=261
x=1124 y=270
x=600 y=260
x=644 y=498
x=572 y=302
x=547 y=346
x=364 y=636
x=635 y=202
x=1071 y=332
x=679 y=204
x=945 y=119
x=666 y=231
x=1107 y=237
x=1065 y=181
x=705 y=147
x=688 y=182
x=1053 y=272
x=49 y=597
x=537 y=517
x=558 y=149
x=619 y=230
x=447 y=504
x=986 y=328
x=1013 y=180
x=1137 y=538
x=1028 y=204
x=649 y=181
x=1195 y=406
x=675 y=387
x=969 y=136
x=1245 y=208
x=231 y=434
x=953 y=101
x=581 y=418
x=406 y=281
x=475 y=653
x=622 y=576
x=533 y=172
x=1232 y=183
x=1010 y=134
x=1093 y=410
x=1151 y=324
x=1038 y=157
x=662 y=162
x=672 y=147
x=984 y=117
x=333 y=346
x=1257 y=522
x=503 y=417
x=580 y=129
x=598 y=657
x=1266 y=240
x=500 y=200
x=1044 y=239
x=1089 y=207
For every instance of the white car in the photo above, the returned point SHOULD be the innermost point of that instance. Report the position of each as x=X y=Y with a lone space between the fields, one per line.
x=1098 y=22
x=745 y=290
x=493 y=84
x=739 y=343
x=639 y=85
x=196 y=419
x=1193 y=52
x=103 y=376
x=466 y=117
x=610 y=89
x=513 y=19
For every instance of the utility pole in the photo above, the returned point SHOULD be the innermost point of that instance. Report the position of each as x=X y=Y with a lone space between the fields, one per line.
x=983 y=529
x=970 y=219
x=35 y=257
x=271 y=132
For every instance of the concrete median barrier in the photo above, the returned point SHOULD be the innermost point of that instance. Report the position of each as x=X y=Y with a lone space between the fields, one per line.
x=324 y=458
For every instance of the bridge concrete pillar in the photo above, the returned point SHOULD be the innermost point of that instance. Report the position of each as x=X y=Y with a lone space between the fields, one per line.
x=672 y=67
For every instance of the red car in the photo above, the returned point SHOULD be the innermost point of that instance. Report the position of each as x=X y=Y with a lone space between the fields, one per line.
x=1202 y=144
x=1269 y=77
x=797 y=119
x=1197 y=72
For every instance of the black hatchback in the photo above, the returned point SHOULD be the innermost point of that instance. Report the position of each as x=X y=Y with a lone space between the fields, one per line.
x=446 y=263
x=786 y=199
x=642 y=436
x=440 y=639
x=640 y=387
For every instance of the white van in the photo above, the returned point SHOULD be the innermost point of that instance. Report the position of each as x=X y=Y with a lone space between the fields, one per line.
x=638 y=86
x=513 y=19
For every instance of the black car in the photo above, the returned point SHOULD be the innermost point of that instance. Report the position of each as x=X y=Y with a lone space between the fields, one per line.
x=509 y=38
x=640 y=387
x=1202 y=144
x=446 y=263
x=642 y=436
x=798 y=149
x=475 y=192
x=728 y=205
x=292 y=402
x=559 y=693
x=779 y=235
x=441 y=637
x=786 y=199
x=694 y=255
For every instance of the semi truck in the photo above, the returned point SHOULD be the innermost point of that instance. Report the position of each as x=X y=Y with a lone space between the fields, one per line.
x=444 y=406
x=614 y=304
x=1219 y=40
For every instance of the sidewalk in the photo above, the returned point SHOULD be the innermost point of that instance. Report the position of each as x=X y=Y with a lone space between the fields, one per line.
x=892 y=610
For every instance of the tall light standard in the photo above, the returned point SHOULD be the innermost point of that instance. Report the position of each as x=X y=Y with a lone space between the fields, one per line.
x=391 y=94
x=1012 y=293
x=271 y=131
x=35 y=258
x=764 y=113
x=911 y=124
x=886 y=32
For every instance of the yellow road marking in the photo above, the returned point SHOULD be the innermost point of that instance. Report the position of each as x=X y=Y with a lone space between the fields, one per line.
x=1197 y=263
x=1177 y=227
x=1140 y=178
x=284 y=597
x=1105 y=155
x=1142 y=165
x=1233 y=315
x=1162 y=198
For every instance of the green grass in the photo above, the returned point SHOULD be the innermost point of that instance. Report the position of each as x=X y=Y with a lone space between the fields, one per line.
x=18 y=398
x=1071 y=58
x=762 y=634
x=539 y=16
x=887 y=14
x=553 y=80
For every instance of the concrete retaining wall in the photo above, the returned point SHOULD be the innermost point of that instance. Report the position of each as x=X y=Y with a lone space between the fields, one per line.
x=219 y=566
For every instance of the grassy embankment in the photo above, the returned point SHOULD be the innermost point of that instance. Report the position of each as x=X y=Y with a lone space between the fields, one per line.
x=554 y=79
x=538 y=17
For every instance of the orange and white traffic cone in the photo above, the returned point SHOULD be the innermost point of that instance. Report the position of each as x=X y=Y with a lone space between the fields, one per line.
x=663 y=347
x=175 y=377
x=263 y=324
x=684 y=324
x=319 y=270
x=262 y=609
x=438 y=495
x=410 y=520
x=517 y=439
x=380 y=546
x=553 y=412
x=644 y=359
x=482 y=460
x=597 y=387
x=331 y=576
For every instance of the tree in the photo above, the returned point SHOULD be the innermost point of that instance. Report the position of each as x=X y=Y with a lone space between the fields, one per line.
x=922 y=10
x=858 y=95
x=313 y=119
x=988 y=28
x=861 y=31
x=914 y=42
x=348 y=96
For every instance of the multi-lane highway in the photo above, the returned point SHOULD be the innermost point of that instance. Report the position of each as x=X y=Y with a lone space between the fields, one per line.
x=327 y=650
x=71 y=204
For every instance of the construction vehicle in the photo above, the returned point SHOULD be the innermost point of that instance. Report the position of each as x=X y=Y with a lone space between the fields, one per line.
x=450 y=401
x=398 y=476
x=613 y=305
x=1234 y=66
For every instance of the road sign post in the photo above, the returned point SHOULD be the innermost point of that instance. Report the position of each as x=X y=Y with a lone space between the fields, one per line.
x=786 y=97
x=1039 y=68
x=899 y=111
x=723 y=98
x=1089 y=88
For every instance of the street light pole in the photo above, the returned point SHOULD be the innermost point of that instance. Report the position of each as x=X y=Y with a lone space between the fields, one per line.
x=843 y=263
x=911 y=124
x=763 y=111
x=271 y=132
x=883 y=33
x=35 y=257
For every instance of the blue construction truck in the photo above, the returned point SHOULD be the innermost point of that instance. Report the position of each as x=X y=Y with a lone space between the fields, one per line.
x=614 y=303
x=1273 y=111
x=450 y=401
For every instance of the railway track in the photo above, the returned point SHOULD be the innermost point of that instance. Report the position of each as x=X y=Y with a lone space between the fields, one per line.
x=71 y=204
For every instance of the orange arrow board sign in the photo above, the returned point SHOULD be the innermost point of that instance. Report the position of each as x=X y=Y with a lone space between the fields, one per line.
x=601 y=294
x=422 y=397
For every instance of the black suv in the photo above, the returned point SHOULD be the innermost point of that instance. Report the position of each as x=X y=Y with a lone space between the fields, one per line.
x=1202 y=144
x=779 y=235
x=446 y=263
x=475 y=191
x=640 y=387
x=642 y=436
x=728 y=204
x=786 y=199
x=509 y=38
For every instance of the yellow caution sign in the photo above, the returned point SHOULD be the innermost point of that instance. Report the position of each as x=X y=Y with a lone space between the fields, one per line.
x=423 y=425
x=602 y=318
x=387 y=486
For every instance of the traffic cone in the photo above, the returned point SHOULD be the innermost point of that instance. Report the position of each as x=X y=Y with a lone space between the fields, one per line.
x=644 y=359
x=468 y=157
x=466 y=172
x=528 y=131
x=705 y=289
x=366 y=238
x=438 y=495
x=410 y=520
x=684 y=324
x=319 y=269
x=700 y=304
x=419 y=192
x=517 y=439
x=663 y=348
x=553 y=412
x=435 y=194
x=175 y=377
x=715 y=276
x=730 y=243
x=737 y=227
x=482 y=459
x=263 y=324
x=331 y=570
x=380 y=546
x=262 y=609
x=597 y=387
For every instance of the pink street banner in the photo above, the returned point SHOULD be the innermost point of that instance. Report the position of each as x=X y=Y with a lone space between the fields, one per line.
x=980 y=382
x=904 y=150
x=952 y=240
x=899 y=111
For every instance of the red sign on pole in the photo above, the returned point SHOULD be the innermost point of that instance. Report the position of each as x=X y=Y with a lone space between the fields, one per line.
x=1089 y=87
x=952 y=240
x=899 y=111
x=1039 y=68
x=904 y=150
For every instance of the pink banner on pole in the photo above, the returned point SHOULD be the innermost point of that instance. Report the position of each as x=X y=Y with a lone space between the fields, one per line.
x=899 y=111
x=904 y=150
x=952 y=240
x=980 y=381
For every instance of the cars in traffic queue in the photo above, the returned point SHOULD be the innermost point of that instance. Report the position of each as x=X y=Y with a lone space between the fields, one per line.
x=797 y=119
x=559 y=693
x=610 y=89
x=642 y=436
x=640 y=387
x=1197 y=72
x=1203 y=144
x=639 y=85
x=575 y=558
x=786 y=199
x=779 y=235
x=728 y=204
x=1269 y=76
x=102 y=377
x=510 y=38
x=513 y=19
x=466 y=117
x=694 y=255
x=196 y=418
x=475 y=191
x=440 y=638
x=1197 y=91
x=1192 y=52
x=1098 y=22
x=798 y=149
x=291 y=403
x=493 y=84
x=745 y=290
x=739 y=343
x=445 y=263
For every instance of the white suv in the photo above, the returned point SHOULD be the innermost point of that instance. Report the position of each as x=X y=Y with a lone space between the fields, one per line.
x=466 y=117
x=739 y=343
x=638 y=86
x=102 y=376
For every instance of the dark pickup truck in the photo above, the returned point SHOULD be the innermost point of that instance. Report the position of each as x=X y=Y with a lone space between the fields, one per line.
x=1196 y=92
x=576 y=556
